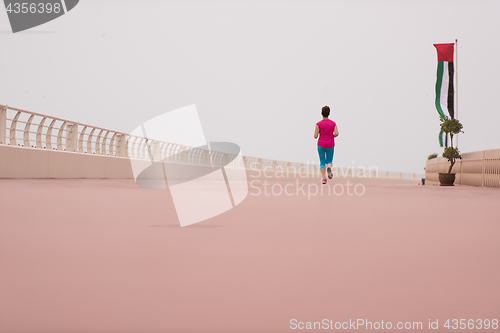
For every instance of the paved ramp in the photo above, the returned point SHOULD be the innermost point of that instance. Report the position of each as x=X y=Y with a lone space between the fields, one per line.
x=107 y=256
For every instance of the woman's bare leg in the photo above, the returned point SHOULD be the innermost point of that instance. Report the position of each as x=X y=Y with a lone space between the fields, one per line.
x=322 y=173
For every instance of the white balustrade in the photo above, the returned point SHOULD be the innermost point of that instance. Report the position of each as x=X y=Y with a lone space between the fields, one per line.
x=478 y=168
x=29 y=129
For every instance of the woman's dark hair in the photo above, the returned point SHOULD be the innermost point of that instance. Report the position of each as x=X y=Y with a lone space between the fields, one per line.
x=325 y=111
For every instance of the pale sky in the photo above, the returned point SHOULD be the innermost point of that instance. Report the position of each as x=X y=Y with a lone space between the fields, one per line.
x=260 y=71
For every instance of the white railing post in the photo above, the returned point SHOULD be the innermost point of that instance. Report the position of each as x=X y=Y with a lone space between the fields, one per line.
x=104 y=144
x=89 y=142
x=112 y=144
x=155 y=150
x=60 y=136
x=461 y=171
x=120 y=147
x=3 y=124
x=484 y=166
x=39 y=132
x=26 y=134
x=71 y=137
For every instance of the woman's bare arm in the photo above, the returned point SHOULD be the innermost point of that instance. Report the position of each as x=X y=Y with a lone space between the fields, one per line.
x=316 y=132
x=335 y=131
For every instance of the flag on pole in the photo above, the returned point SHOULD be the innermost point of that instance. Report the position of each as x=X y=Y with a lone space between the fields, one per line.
x=445 y=90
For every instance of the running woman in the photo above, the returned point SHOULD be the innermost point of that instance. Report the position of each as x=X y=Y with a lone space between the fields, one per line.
x=327 y=130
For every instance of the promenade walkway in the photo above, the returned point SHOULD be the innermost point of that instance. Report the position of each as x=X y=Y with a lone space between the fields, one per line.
x=108 y=256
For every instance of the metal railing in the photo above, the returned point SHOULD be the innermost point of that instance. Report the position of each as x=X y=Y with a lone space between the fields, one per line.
x=29 y=129
x=478 y=168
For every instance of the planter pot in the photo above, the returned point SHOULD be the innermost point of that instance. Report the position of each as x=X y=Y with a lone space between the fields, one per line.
x=446 y=179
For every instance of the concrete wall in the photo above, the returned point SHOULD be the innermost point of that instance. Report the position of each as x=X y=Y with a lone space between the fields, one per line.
x=477 y=168
x=25 y=163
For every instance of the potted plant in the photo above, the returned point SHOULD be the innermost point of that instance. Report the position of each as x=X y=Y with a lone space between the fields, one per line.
x=450 y=126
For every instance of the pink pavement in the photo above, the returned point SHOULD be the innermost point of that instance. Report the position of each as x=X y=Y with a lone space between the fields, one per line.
x=108 y=256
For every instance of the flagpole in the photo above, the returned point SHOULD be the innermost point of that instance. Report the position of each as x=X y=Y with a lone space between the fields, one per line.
x=456 y=84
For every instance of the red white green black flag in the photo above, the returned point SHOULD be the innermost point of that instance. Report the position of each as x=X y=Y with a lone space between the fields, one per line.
x=445 y=90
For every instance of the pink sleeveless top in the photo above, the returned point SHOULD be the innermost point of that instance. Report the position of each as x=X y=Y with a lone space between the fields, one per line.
x=326 y=139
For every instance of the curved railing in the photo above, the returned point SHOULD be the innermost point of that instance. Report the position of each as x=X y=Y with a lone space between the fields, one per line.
x=29 y=129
